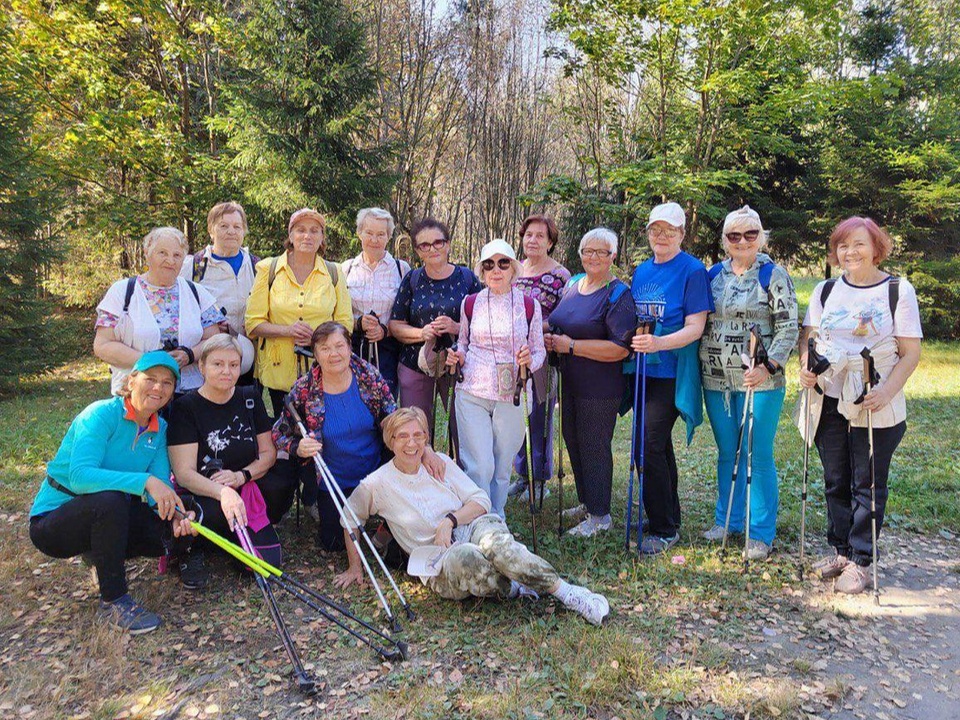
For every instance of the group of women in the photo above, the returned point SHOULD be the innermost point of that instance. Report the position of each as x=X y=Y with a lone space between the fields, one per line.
x=349 y=344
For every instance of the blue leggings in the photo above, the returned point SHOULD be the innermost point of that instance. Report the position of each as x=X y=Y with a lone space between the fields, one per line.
x=764 y=493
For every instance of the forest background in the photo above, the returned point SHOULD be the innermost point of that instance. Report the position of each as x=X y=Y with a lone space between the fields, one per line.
x=117 y=115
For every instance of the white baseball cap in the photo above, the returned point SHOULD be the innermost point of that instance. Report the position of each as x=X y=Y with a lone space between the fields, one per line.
x=498 y=247
x=670 y=213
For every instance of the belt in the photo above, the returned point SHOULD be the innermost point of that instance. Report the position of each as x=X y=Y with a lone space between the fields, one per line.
x=57 y=486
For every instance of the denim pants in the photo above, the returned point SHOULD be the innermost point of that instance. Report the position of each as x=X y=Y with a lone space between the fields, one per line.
x=764 y=491
x=487 y=561
x=845 y=454
x=490 y=436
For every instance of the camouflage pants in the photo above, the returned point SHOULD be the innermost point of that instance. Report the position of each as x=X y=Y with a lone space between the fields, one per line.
x=486 y=559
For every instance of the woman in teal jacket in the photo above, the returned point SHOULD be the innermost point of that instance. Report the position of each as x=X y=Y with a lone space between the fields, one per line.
x=107 y=494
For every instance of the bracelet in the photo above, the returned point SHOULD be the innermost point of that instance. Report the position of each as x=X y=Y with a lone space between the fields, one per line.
x=247 y=475
x=570 y=351
x=190 y=356
x=452 y=518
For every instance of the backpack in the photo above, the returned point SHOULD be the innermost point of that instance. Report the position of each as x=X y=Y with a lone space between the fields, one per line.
x=348 y=265
x=200 y=267
x=331 y=268
x=471 y=300
x=132 y=283
x=614 y=296
x=893 y=293
x=764 y=275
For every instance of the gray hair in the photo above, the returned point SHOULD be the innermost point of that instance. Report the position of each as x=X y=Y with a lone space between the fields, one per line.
x=164 y=233
x=375 y=213
x=220 y=341
x=603 y=234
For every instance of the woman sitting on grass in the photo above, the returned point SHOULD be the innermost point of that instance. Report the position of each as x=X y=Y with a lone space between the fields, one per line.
x=107 y=494
x=482 y=558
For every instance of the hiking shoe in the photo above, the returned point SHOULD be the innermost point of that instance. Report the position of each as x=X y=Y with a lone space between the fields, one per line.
x=591 y=526
x=193 y=569
x=830 y=567
x=757 y=549
x=517 y=487
x=592 y=607
x=127 y=614
x=715 y=534
x=853 y=580
x=313 y=511
x=576 y=513
x=654 y=544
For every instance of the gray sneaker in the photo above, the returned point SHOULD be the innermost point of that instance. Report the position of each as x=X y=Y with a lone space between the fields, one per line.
x=655 y=545
x=517 y=487
x=853 y=580
x=591 y=526
x=715 y=534
x=128 y=614
x=758 y=550
x=575 y=514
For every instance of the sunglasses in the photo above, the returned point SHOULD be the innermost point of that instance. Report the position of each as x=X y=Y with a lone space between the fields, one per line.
x=436 y=245
x=749 y=236
x=502 y=263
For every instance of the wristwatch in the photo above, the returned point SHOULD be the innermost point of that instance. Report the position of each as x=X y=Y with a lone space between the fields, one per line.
x=247 y=475
x=570 y=351
x=452 y=518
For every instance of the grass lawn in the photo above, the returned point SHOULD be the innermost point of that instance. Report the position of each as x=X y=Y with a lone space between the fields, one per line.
x=680 y=642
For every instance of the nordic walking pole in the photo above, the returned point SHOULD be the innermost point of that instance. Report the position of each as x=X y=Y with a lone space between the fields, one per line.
x=747 y=398
x=806 y=461
x=758 y=355
x=643 y=328
x=305 y=683
x=354 y=526
x=456 y=376
x=531 y=486
x=560 y=448
x=870 y=380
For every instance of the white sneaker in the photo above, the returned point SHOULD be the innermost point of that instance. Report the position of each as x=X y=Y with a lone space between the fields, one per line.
x=592 y=607
x=576 y=513
x=715 y=534
x=591 y=526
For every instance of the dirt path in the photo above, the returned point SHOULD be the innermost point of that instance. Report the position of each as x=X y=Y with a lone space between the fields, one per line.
x=896 y=661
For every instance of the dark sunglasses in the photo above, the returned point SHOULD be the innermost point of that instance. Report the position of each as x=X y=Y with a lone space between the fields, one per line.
x=749 y=236
x=436 y=245
x=502 y=263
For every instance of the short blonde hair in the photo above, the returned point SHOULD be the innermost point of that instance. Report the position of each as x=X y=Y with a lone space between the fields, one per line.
x=164 y=233
x=606 y=235
x=225 y=208
x=395 y=420
x=220 y=341
x=375 y=213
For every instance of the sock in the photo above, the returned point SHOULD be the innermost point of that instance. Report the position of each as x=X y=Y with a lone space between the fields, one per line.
x=563 y=591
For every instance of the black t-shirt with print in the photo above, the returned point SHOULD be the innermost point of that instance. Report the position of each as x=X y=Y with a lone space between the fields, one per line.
x=220 y=431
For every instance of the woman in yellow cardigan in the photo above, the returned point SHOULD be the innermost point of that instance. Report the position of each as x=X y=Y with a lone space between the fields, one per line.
x=294 y=293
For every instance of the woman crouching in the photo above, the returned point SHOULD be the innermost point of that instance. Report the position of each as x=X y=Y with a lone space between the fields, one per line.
x=482 y=559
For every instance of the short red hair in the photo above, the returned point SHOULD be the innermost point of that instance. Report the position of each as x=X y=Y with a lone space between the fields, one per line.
x=882 y=242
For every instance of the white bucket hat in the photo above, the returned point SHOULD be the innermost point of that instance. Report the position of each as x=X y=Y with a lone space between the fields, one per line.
x=670 y=213
x=498 y=247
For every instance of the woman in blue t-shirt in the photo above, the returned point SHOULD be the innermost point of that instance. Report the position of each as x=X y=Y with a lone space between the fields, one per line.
x=673 y=289
x=590 y=331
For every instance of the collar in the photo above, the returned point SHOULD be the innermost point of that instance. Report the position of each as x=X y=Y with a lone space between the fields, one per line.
x=318 y=264
x=153 y=424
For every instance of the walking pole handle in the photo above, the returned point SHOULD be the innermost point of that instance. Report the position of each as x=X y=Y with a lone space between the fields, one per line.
x=291 y=408
x=870 y=375
x=521 y=384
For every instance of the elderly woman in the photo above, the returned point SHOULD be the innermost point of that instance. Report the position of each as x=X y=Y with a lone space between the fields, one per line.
x=748 y=288
x=156 y=310
x=222 y=450
x=865 y=308
x=293 y=294
x=427 y=310
x=482 y=559
x=672 y=289
x=501 y=334
x=227 y=269
x=591 y=329
x=541 y=278
x=373 y=278
x=342 y=400
x=107 y=494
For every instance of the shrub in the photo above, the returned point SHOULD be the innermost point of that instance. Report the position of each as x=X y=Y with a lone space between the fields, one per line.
x=938 y=291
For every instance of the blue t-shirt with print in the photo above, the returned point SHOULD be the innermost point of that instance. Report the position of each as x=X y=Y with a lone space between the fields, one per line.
x=431 y=299
x=669 y=292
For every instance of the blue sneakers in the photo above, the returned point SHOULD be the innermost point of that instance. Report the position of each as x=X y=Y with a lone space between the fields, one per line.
x=127 y=614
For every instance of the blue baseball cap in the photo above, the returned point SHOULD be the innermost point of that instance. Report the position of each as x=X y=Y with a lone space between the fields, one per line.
x=157 y=358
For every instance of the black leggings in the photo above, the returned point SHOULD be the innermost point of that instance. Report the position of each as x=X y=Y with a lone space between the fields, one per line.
x=661 y=497
x=110 y=525
x=588 y=425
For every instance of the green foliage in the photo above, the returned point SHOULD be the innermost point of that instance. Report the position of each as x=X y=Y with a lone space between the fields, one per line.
x=25 y=209
x=937 y=283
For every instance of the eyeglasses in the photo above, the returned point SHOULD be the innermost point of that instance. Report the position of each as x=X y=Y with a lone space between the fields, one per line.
x=435 y=245
x=419 y=436
x=656 y=233
x=595 y=253
x=749 y=236
x=502 y=263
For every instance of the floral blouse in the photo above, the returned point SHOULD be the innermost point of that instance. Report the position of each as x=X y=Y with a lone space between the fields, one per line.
x=546 y=288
